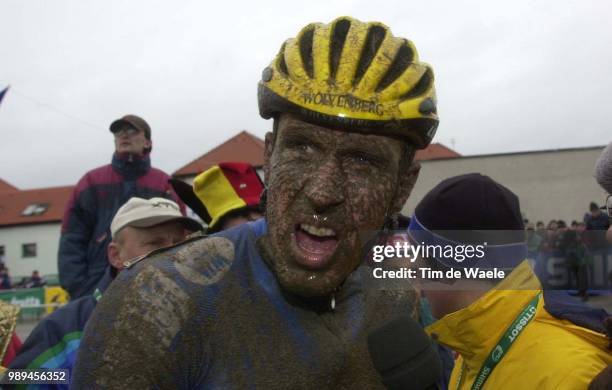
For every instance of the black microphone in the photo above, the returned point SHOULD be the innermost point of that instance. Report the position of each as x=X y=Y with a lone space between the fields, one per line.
x=404 y=355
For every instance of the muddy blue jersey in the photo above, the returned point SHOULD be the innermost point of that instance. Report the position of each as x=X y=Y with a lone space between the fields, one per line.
x=211 y=314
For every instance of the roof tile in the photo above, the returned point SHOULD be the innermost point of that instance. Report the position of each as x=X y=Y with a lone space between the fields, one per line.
x=243 y=147
x=7 y=187
x=435 y=151
x=12 y=205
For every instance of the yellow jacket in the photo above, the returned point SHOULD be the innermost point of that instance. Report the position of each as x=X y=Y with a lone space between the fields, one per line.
x=549 y=353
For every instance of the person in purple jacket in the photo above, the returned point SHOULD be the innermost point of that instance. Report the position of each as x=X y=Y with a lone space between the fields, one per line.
x=97 y=197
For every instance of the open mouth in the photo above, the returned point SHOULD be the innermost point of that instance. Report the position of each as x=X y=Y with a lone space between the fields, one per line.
x=316 y=245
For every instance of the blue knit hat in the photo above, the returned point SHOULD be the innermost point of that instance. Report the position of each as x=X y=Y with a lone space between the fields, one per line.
x=472 y=209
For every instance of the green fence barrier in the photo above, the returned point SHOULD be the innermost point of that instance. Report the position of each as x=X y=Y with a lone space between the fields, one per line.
x=31 y=300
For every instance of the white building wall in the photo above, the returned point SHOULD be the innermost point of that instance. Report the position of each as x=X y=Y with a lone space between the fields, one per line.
x=550 y=185
x=46 y=236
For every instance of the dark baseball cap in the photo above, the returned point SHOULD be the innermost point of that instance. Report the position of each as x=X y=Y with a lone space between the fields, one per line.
x=133 y=121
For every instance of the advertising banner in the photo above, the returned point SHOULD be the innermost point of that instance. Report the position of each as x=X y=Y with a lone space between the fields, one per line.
x=29 y=299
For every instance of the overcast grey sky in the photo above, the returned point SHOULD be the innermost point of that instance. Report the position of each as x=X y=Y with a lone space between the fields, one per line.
x=511 y=75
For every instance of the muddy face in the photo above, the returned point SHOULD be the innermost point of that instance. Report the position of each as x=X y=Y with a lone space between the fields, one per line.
x=324 y=188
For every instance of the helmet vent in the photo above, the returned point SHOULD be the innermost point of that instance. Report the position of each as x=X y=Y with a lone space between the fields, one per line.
x=306 y=51
x=282 y=65
x=421 y=86
x=374 y=39
x=403 y=59
x=340 y=31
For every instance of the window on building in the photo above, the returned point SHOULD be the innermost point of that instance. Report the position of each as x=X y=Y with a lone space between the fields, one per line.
x=35 y=209
x=2 y=254
x=28 y=250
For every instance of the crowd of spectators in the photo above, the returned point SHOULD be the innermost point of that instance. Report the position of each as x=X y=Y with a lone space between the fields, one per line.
x=35 y=280
x=586 y=235
x=576 y=243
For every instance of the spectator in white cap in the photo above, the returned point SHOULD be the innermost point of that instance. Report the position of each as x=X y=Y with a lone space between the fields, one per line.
x=139 y=227
x=143 y=225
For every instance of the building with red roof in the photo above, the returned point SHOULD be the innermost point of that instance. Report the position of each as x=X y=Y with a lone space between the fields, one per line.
x=30 y=224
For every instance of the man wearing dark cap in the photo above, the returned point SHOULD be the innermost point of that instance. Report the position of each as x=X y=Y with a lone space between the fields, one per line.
x=97 y=197
x=509 y=333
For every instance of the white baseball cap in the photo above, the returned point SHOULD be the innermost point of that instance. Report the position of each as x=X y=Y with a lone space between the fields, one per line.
x=138 y=212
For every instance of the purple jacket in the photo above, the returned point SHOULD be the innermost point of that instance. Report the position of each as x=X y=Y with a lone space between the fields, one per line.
x=92 y=206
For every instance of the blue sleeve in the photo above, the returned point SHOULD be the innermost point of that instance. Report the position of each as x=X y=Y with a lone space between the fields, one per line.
x=54 y=342
x=136 y=336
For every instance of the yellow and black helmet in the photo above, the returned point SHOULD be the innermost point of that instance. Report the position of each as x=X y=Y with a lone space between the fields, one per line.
x=355 y=76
